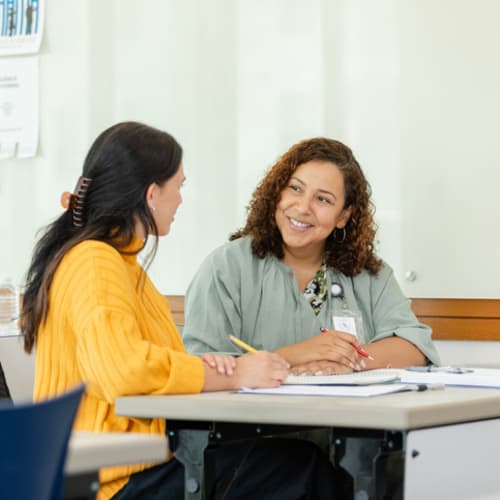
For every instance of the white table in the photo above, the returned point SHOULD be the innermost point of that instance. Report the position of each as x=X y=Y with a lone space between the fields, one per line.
x=210 y=418
x=89 y=451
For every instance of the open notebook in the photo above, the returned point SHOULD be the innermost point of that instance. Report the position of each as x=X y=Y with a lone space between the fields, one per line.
x=369 y=377
x=360 y=384
x=333 y=390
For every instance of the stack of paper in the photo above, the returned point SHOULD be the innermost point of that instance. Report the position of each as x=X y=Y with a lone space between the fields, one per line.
x=332 y=390
x=471 y=377
x=384 y=381
x=359 y=384
x=359 y=378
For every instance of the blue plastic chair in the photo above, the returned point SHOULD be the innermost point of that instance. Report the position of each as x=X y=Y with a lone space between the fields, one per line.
x=33 y=445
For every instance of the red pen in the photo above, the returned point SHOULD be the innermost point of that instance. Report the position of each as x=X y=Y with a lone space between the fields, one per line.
x=359 y=350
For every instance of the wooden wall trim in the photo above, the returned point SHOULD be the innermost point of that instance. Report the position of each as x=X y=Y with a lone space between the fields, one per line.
x=450 y=319
x=460 y=319
x=177 y=308
x=459 y=308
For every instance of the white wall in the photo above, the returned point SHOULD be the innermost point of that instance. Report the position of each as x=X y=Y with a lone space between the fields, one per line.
x=450 y=125
x=363 y=97
x=411 y=86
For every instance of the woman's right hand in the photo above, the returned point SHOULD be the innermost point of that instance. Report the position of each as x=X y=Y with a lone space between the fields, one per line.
x=260 y=369
x=331 y=345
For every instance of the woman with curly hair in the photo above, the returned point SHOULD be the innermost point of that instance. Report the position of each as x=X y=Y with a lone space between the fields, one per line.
x=306 y=252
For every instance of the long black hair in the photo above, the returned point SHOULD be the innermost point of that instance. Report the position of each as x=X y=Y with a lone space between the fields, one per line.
x=121 y=164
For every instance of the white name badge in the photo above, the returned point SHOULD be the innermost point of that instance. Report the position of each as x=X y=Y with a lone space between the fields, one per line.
x=345 y=324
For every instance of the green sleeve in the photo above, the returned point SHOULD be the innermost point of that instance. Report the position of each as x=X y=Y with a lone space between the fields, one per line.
x=392 y=315
x=212 y=305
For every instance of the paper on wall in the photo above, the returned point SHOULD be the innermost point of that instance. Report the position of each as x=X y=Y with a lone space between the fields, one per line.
x=18 y=106
x=21 y=26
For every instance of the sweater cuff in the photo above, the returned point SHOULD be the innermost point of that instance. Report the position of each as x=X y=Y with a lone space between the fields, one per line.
x=187 y=375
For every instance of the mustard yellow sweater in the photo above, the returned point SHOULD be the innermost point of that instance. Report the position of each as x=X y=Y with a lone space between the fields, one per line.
x=117 y=338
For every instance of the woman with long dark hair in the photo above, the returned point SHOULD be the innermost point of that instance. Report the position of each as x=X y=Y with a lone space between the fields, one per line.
x=92 y=315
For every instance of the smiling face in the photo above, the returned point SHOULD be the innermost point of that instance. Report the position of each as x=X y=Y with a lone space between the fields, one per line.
x=311 y=207
x=165 y=199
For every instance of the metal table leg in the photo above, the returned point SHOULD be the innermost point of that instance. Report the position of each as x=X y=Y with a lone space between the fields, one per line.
x=199 y=462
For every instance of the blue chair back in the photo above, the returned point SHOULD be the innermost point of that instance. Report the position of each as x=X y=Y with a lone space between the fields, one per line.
x=33 y=444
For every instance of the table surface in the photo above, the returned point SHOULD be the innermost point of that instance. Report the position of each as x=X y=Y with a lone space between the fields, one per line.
x=89 y=451
x=398 y=411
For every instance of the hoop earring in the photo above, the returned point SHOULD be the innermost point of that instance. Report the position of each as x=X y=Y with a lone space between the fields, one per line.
x=336 y=238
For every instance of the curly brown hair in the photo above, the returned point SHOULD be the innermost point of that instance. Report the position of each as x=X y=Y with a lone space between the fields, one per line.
x=350 y=255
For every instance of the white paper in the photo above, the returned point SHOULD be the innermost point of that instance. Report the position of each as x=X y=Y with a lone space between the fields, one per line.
x=331 y=390
x=359 y=378
x=21 y=26
x=18 y=106
x=479 y=377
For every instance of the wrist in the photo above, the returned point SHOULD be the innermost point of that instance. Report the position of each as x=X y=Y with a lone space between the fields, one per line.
x=288 y=353
x=215 y=381
x=237 y=380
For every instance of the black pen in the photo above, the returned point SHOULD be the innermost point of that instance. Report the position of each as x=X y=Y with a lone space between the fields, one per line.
x=441 y=369
x=425 y=387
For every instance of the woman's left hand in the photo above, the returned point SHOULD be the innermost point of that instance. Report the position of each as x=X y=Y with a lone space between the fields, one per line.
x=223 y=363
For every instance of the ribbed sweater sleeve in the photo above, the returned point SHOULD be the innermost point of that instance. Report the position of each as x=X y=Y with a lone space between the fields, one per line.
x=116 y=353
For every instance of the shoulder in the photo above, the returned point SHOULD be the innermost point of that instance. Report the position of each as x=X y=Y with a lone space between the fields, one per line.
x=382 y=275
x=93 y=249
x=233 y=262
x=94 y=246
x=95 y=268
x=383 y=284
x=93 y=254
x=232 y=252
x=371 y=282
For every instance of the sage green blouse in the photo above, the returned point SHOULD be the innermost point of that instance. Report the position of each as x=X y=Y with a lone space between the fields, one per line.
x=259 y=301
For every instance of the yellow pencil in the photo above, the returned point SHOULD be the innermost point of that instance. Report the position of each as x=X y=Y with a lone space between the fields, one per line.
x=241 y=344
